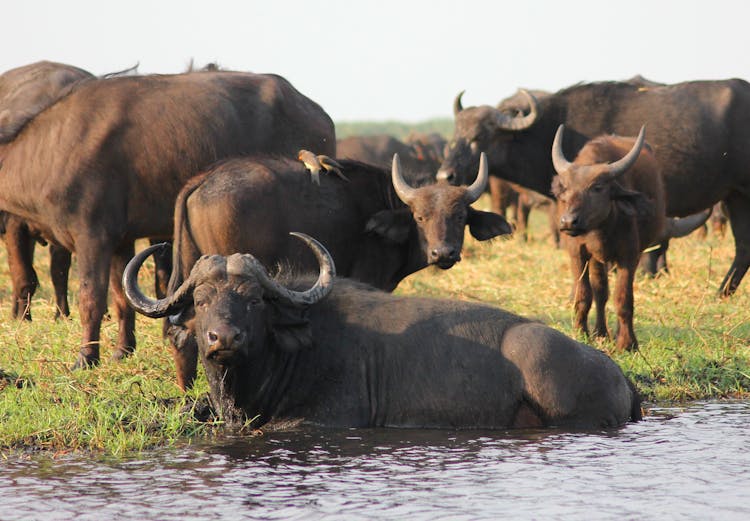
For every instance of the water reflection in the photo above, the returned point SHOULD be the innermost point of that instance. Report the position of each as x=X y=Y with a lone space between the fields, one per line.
x=687 y=462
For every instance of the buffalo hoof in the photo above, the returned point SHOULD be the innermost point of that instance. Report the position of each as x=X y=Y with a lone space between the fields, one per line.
x=84 y=362
x=121 y=354
x=627 y=345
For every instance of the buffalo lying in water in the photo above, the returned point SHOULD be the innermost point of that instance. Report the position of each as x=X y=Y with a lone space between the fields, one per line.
x=347 y=355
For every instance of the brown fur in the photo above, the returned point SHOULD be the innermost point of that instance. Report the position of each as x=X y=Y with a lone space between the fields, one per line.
x=616 y=220
x=102 y=166
x=371 y=234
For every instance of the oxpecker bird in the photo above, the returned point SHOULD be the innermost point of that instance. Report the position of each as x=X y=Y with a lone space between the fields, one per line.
x=317 y=163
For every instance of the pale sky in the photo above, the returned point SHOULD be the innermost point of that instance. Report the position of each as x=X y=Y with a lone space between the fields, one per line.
x=392 y=59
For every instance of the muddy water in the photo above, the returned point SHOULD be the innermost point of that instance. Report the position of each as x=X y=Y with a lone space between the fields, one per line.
x=691 y=462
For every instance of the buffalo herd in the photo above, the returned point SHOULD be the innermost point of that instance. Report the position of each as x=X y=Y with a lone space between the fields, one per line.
x=243 y=175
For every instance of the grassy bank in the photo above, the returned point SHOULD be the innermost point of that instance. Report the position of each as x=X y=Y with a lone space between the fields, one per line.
x=693 y=345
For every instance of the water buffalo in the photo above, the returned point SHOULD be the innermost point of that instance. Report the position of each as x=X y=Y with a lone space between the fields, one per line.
x=698 y=131
x=338 y=353
x=378 y=150
x=377 y=227
x=611 y=205
x=429 y=148
x=102 y=166
x=25 y=92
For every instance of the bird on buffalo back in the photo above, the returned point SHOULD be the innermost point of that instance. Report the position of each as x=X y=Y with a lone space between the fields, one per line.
x=316 y=163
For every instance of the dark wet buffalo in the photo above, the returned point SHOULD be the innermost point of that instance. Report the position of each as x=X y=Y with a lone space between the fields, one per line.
x=338 y=353
x=698 y=131
x=377 y=227
x=102 y=166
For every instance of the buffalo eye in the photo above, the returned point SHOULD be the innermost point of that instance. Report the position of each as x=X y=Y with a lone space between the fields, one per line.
x=419 y=218
x=253 y=302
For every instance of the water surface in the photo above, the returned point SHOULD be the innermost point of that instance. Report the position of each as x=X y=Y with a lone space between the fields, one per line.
x=690 y=462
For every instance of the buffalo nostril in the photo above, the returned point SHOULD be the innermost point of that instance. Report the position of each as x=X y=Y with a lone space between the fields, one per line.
x=239 y=337
x=569 y=221
x=212 y=337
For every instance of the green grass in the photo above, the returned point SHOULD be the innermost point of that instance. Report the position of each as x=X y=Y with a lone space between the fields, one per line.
x=693 y=345
x=397 y=129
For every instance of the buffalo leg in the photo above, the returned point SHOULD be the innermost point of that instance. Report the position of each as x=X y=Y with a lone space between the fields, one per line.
x=598 y=276
x=623 y=299
x=497 y=195
x=582 y=292
x=94 y=258
x=523 y=210
x=20 y=248
x=184 y=352
x=125 y=314
x=59 y=269
x=552 y=222
x=738 y=208
x=163 y=262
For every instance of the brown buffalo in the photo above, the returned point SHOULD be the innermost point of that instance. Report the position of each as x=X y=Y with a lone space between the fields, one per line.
x=611 y=203
x=338 y=353
x=24 y=93
x=102 y=166
x=377 y=227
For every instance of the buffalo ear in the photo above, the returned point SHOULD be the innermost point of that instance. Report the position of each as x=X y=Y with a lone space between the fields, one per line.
x=486 y=225
x=630 y=202
x=392 y=225
x=557 y=187
x=290 y=326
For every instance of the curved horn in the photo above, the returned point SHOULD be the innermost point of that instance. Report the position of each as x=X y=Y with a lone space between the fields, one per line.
x=403 y=190
x=515 y=124
x=680 y=227
x=558 y=157
x=620 y=166
x=457 y=106
x=153 y=308
x=319 y=290
x=476 y=189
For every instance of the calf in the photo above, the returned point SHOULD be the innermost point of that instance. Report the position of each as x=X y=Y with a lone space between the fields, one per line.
x=346 y=355
x=612 y=207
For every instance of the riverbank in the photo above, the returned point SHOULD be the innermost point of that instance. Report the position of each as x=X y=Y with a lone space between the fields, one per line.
x=693 y=345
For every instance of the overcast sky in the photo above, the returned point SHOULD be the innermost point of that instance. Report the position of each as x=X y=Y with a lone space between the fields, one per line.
x=392 y=59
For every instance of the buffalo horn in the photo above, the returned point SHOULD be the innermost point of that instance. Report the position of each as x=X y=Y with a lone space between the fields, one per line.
x=517 y=123
x=457 y=106
x=319 y=290
x=680 y=227
x=153 y=308
x=620 y=166
x=403 y=190
x=558 y=157
x=476 y=189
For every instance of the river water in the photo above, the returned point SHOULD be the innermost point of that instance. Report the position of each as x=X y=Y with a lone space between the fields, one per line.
x=690 y=462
